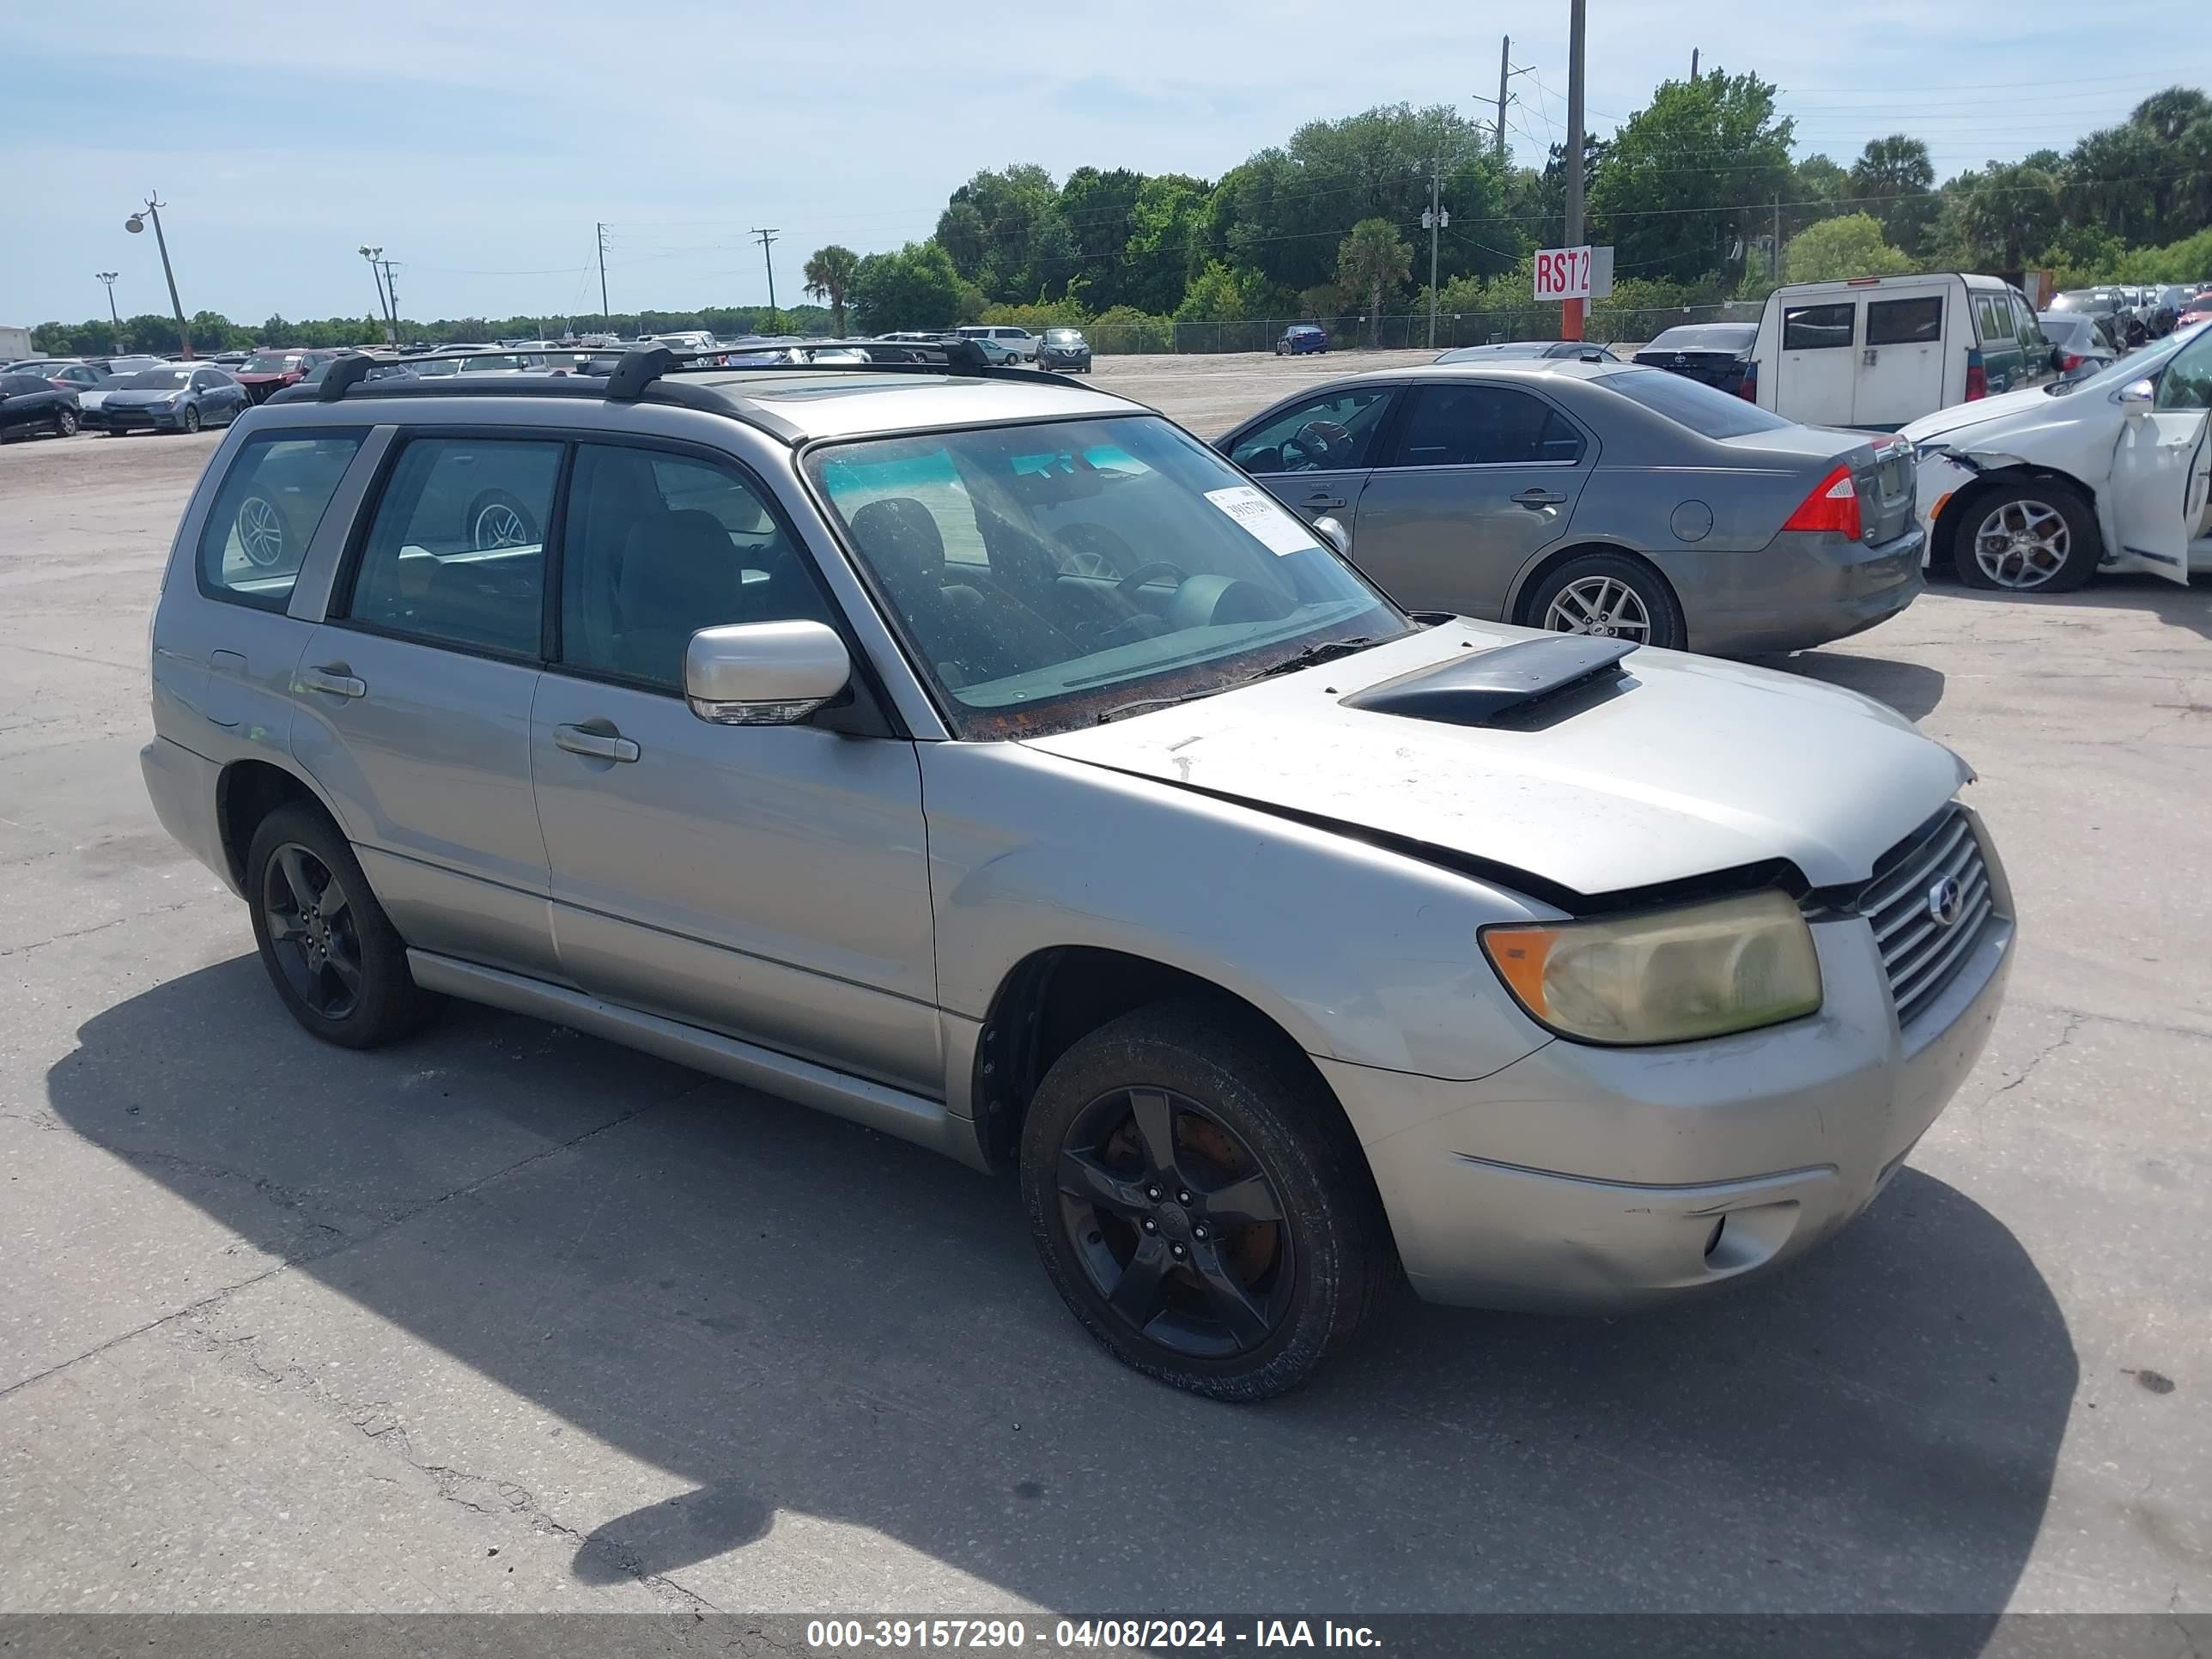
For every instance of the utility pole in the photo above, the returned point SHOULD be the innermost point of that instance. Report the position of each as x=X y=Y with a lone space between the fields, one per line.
x=1433 y=221
x=766 y=237
x=1774 y=244
x=1693 y=63
x=136 y=224
x=115 y=335
x=391 y=295
x=1570 y=311
x=605 y=317
x=1505 y=60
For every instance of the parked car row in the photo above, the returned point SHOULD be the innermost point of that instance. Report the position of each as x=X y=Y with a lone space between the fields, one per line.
x=982 y=759
x=60 y=397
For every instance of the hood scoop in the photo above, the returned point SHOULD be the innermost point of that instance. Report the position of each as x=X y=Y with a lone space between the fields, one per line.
x=1482 y=689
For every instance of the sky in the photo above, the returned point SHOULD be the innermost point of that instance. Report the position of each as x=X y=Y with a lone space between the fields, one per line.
x=479 y=142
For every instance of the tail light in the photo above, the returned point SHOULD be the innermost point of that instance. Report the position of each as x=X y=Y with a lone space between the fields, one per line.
x=1978 y=378
x=1748 y=387
x=1833 y=506
x=2070 y=362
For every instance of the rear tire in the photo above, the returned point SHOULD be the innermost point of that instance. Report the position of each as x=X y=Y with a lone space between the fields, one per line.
x=334 y=957
x=65 y=422
x=2026 y=536
x=1594 y=582
x=1265 y=1245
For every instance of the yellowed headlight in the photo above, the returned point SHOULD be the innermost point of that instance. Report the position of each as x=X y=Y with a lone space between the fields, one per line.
x=1663 y=976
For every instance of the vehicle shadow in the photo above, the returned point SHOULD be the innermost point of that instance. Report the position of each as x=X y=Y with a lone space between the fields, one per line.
x=1913 y=688
x=795 y=1318
x=2176 y=606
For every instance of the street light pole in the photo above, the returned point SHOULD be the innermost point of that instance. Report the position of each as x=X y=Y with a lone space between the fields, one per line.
x=383 y=306
x=115 y=334
x=136 y=224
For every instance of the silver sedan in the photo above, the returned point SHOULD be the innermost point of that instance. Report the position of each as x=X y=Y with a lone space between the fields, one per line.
x=1598 y=498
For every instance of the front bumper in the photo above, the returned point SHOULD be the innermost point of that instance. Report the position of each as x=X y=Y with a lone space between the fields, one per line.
x=1593 y=1180
x=1063 y=360
x=1800 y=590
x=124 y=420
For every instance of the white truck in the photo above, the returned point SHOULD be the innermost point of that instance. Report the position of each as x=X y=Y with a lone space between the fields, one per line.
x=14 y=343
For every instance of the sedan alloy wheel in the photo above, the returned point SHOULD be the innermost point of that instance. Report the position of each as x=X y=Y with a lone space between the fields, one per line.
x=2021 y=544
x=1602 y=605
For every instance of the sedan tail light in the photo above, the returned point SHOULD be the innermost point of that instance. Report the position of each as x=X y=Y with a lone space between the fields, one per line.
x=1834 y=505
x=2070 y=362
x=1748 y=387
x=1978 y=378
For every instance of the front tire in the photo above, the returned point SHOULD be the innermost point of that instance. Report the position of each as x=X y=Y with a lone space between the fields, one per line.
x=1610 y=595
x=2034 y=536
x=334 y=957
x=497 y=519
x=1200 y=1203
x=65 y=422
x=191 y=418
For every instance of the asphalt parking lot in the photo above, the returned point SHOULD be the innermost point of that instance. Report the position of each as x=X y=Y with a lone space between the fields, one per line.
x=506 y=1318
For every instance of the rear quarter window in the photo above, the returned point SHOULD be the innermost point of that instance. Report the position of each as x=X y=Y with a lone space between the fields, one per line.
x=265 y=513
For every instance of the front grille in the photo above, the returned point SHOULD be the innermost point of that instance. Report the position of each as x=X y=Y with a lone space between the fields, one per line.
x=1919 y=953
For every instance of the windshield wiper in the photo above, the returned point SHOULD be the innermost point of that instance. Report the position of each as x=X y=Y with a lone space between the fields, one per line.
x=1321 y=651
x=1122 y=710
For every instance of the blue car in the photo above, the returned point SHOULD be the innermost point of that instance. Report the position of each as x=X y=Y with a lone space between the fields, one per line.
x=174 y=398
x=1301 y=336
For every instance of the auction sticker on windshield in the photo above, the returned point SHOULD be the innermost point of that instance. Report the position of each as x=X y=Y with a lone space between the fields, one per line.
x=1265 y=521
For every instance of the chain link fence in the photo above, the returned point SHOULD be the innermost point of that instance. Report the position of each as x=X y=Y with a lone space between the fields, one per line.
x=1606 y=324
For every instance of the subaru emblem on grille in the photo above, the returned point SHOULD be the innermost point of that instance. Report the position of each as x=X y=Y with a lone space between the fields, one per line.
x=1947 y=902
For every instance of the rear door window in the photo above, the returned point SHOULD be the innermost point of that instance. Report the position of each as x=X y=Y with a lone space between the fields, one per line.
x=1483 y=426
x=265 y=513
x=1818 y=328
x=456 y=553
x=1916 y=322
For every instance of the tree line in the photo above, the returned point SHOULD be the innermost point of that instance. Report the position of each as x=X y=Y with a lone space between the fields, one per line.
x=1699 y=194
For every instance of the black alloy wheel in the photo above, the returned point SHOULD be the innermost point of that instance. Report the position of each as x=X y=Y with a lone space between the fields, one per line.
x=333 y=955
x=1176 y=1224
x=1201 y=1202
x=312 y=930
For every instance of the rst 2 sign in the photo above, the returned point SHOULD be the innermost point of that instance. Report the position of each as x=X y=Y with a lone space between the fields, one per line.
x=1563 y=273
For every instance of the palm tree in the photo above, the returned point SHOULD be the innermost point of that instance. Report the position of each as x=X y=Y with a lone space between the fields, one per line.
x=830 y=276
x=1373 y=258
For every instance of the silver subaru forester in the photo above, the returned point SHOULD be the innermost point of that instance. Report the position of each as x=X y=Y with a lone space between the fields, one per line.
x=980 y=757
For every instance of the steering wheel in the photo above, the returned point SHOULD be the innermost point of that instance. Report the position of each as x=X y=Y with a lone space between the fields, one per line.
x=1091 y=549
x=1126 y=588
x=1316 y=440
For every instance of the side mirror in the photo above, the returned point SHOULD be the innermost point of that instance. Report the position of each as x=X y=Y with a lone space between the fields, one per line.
x=2135 y=396
x=1332 y=531
x=764 y=673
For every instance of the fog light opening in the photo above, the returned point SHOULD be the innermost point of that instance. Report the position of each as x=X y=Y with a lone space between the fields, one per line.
x=1713 y=1241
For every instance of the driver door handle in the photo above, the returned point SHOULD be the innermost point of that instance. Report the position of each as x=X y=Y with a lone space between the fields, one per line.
x=333 y=679
x=1536 y=497
x=599 y=740
x=1325 y=503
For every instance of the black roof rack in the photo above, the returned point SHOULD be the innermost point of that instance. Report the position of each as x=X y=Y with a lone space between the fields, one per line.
x=636 y=372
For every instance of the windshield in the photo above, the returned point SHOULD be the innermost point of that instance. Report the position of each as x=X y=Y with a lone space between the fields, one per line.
x=153 y=379
x=270 y=362
x=1705 y=409
x=2136 y=365
x=1050 y=576
x=1064 y=336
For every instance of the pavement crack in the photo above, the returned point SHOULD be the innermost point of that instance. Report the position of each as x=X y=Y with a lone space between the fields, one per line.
x=102 y=927
x=2064 y=1038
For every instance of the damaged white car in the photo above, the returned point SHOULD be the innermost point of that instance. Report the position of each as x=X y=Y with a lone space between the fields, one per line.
x=2037 y=491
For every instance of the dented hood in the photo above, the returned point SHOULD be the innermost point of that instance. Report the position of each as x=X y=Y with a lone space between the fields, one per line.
x=1678 y=767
